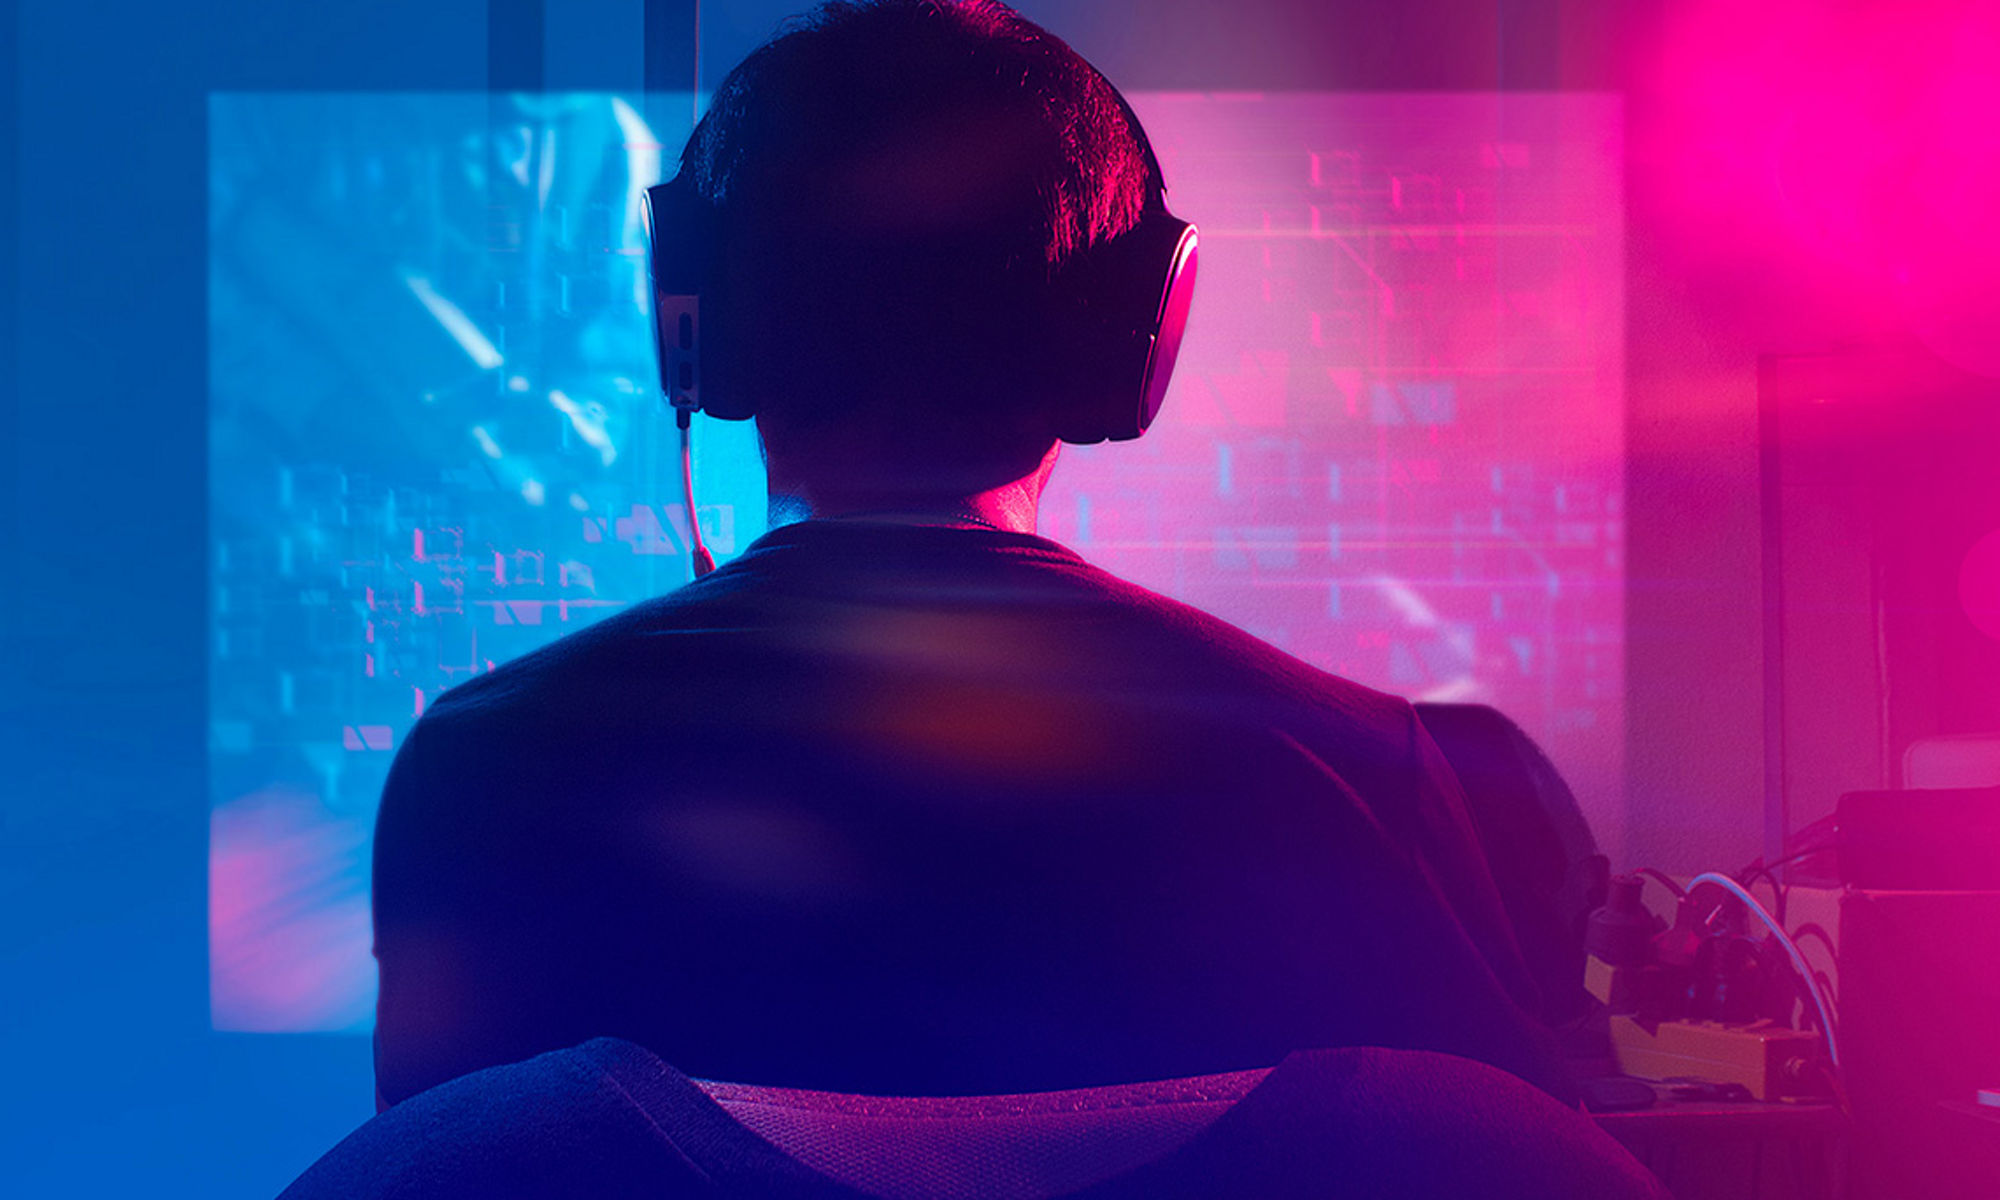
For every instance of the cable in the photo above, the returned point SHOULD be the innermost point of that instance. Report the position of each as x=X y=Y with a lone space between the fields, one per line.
x=1818 y=837
x=698 y=555
x=1791 y=951
x=1815 y=929
x=1796 y=855
x=1750 y=879
x=1680 y=893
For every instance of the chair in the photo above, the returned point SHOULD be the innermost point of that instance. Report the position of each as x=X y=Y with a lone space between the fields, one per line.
x=1545 y=863
x=609 y=1120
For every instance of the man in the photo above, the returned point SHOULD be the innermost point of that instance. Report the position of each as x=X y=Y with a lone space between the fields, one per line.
x=906 y=799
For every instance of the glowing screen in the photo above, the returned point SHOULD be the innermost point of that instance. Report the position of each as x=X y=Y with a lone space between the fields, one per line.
x=1393 y=446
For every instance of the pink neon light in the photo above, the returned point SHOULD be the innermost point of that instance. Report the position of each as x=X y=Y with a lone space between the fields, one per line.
x=1861 y=134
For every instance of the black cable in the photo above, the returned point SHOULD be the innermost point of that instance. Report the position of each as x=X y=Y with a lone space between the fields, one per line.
x=1820 y=836
x=1777 y=889
x=1680 y=893
x=1815 y=930
x=1800 y=968
x=1796 y=855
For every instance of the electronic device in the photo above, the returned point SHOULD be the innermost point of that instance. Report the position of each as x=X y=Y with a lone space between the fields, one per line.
x=1770 y=1060
x=1919 y=986
x=1928 y=839
x=1132 y=292
x=1134 y=289
x=1702 y=998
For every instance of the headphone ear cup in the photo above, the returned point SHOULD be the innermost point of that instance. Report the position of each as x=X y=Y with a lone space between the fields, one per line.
x=1169 y=324
x=1125 y=310
x=690 y=332
x=1094 y=385
x=727 y=393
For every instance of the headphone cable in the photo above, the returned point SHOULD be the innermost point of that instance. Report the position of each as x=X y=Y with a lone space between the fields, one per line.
x=698 y=556
x=702 y=561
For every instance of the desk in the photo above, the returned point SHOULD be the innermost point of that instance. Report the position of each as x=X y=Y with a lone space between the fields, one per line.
x=1716 y=1151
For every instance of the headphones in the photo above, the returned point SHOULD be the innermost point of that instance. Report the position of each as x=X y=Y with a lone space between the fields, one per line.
x=1119 y=309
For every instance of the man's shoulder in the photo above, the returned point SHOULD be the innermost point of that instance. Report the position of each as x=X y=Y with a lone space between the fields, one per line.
x=1156 y=640
x=582 y=1121
x=577 y=663
x=1237 y=657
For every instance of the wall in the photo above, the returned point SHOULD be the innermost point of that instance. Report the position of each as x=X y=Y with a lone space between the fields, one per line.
x=115 y=1084
x=1802 y=176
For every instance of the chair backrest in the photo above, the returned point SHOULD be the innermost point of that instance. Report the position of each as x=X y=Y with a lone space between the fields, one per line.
x=1396 y=1124
x=1545 y=863
x=609 y=1120
x=993 y=1147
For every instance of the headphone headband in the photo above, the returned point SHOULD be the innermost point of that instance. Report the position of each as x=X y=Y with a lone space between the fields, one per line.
x=1110 y=337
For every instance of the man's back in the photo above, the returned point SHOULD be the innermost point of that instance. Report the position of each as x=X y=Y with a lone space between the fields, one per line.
x=913 y=810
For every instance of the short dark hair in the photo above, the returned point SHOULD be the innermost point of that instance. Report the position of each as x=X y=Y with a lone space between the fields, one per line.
x=896 y=183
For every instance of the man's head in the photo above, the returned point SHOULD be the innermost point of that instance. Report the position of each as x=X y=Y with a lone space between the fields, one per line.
x=899 y=187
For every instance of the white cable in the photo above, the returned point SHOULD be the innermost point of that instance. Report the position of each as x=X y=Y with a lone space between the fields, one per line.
x=1791 y=950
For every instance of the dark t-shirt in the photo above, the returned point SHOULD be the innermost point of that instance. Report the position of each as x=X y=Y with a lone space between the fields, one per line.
x=921 y=810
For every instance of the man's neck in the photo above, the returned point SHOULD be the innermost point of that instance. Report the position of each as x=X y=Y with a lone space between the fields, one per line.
x=1011 y=508
x=798 y=494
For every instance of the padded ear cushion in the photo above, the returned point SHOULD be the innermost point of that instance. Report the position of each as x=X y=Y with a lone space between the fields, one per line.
x=688 y=314
x=1170 y=324
x=1116 y=330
